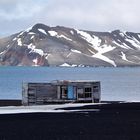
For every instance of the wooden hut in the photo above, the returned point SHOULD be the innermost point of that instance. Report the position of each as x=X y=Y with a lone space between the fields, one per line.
x=60 y=92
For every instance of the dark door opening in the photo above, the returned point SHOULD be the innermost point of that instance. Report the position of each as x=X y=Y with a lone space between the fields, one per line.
x=64 y=92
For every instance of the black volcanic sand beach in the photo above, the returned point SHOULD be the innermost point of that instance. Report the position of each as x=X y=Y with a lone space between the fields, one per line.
x=116 y=121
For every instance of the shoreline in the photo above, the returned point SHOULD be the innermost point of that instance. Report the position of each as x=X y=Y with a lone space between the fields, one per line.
x=91 y=121
x=10 y=102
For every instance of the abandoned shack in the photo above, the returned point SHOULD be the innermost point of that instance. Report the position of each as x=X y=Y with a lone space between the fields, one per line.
x=60 y=92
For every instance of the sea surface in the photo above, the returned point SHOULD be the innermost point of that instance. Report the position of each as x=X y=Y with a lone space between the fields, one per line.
x=117 y=84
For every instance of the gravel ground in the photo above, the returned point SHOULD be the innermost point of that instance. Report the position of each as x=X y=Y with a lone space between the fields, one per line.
x=113 y=121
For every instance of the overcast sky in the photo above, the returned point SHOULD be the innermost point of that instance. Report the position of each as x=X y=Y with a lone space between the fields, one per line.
x=95 y=15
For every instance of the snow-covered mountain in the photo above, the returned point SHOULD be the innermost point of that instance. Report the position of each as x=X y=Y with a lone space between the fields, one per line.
x=42 y=45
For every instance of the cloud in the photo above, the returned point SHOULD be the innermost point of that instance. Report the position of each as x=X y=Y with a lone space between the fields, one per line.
x=14 y=9
x=96 y=15
x=17 y=15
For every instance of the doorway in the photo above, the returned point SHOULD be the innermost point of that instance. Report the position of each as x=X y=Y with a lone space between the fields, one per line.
x=64 y=92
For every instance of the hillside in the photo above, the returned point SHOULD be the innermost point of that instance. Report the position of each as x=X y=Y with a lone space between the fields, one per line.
x=42 y=45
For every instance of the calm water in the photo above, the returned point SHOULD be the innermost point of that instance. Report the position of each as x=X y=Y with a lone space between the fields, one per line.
x=116 y=83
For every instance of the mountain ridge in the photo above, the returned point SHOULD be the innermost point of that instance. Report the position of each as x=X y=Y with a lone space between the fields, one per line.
x=42 y=45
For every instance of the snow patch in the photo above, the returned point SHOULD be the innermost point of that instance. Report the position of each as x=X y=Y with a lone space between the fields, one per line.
x=104 y=58
x=33 y=49
x=31 y=33
x=134 y=43
x=65 y=65
x=32 y=37
x=42 y=31
x=136 y=40
x=68 y=65
x=91 y=51
x=73 y=65
x=126 y=46
x=31 y=46
x=39 y=51
x=122 y=46
x=41 y=108
x=96 y=41
x=93 y=40
x=81 y=65
x=19 y=42
x=35 y=61
x=47 y=55
x=68 y=55
x=7 y=46
x=62 y=36
x=106 y=48
x=139 y=36
x=28 y=29
x=123 y=34
x=20 y=34
x=72 y=32
x=52 y=33
x=123 y=56
x=14 y=39
x=2 y=52
x=99 y=55
x=76 y=51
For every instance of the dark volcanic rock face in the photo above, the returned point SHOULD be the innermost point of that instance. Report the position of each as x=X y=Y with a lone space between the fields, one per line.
x=42 y=45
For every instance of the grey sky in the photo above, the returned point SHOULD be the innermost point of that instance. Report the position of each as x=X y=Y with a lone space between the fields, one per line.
x=96 y=15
